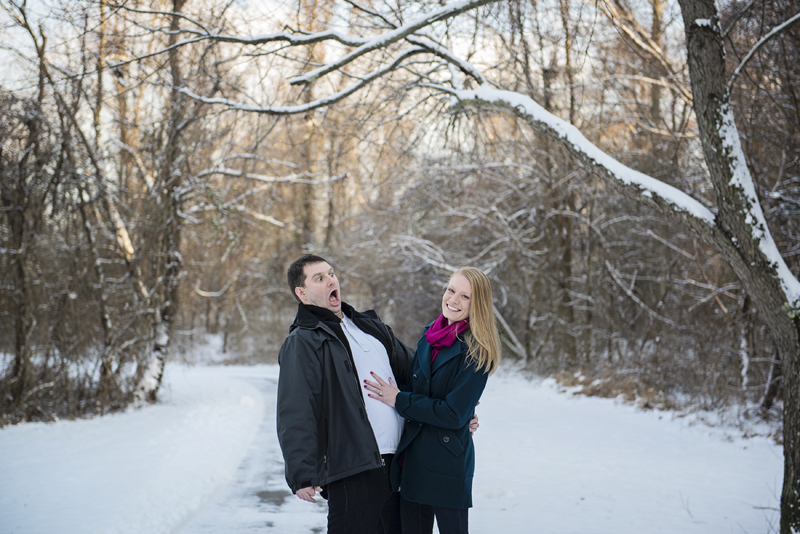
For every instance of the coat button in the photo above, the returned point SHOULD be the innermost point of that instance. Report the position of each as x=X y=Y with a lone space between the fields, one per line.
x=446 y=439
x=415 y=377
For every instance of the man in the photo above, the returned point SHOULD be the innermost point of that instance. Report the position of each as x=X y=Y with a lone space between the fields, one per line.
x=335 y=439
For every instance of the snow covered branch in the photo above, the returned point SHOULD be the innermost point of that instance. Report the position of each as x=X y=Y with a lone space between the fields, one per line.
x=298 y=38
x=647 y=189
x=393 y=36
x=321 y=102
x=290 y=179
x=444 y=53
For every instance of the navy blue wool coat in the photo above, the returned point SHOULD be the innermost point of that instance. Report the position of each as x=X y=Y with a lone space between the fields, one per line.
x=438 y=457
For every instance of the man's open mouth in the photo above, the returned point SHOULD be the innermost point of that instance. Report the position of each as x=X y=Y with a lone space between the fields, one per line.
x=334 y=297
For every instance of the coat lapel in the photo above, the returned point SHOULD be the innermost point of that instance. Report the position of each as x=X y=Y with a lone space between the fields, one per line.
x=423 y=356
x=445 y=354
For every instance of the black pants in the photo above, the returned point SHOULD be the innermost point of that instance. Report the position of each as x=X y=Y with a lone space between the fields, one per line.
x=418 y=518
x=364 y=503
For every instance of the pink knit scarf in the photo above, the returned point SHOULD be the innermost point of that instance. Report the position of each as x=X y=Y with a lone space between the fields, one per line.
x=441 y=335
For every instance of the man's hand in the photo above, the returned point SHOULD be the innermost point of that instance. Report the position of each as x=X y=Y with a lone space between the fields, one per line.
x=307 y=494
x=473 y=423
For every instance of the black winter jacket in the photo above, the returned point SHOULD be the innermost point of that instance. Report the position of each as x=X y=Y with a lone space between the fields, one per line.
x=323 y=428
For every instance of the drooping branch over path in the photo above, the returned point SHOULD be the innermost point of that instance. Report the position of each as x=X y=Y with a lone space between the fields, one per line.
x=734 y=226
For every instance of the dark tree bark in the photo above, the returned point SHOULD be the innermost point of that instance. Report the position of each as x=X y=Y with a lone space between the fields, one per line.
x=740 y=245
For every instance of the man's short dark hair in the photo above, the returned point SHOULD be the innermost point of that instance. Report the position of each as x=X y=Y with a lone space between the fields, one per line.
x=295 y=275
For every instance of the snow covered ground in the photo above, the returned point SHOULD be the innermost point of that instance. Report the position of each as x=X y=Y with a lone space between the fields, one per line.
x=206 y=460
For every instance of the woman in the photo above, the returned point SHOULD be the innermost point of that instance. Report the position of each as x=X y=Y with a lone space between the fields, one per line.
x=435 y=459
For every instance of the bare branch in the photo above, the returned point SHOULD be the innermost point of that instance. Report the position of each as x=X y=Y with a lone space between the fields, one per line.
x=737 y=17
x=435 y=48
x=629 y=291
x=372 y=13
x=513 y=342
x=382 y=41
x=304 y=108
x=639 y=37
x=291 y=179
x=775 y=32
x=289 y=38
x=212 y=294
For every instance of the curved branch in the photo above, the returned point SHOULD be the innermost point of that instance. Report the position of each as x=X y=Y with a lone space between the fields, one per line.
x=372 y=13
x=776 y=31
x=291 y=179
x=304 y=108
x=171 y=14
x=444 y=53
x=289 y=38
x=391 y=37
x=737 y=17
x=628 y=291
x=634 y=184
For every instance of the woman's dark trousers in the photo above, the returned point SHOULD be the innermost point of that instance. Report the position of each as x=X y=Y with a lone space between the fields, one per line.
x=418 y=518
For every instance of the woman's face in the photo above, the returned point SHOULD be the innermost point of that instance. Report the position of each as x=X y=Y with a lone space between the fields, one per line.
x=457 y=298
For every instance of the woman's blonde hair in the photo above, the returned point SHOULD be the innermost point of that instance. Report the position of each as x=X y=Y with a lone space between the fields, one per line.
x=482 y=339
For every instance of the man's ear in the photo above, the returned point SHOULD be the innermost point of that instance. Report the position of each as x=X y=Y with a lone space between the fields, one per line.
x=300 y=292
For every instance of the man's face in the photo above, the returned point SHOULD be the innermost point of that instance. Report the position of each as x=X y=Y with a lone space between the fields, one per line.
x=321 y=287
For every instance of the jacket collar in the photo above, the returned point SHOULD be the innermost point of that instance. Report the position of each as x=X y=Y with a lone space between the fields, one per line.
x=312 y=316
x=445 y=355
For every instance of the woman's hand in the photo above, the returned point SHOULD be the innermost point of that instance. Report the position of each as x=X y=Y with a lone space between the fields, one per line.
x=386 y=392
x=473 y=423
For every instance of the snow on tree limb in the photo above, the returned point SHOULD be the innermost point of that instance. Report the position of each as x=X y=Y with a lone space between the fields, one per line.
x=754 y=216
x=291 y=39
x=589 y=155
x=388 y=38
x=321 y=102
x=650 y=191
x=290 y=179
x=444 y=53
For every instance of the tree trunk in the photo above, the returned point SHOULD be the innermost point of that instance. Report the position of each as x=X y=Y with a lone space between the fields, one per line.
x=169 y=187
x=743 y=226
x=108 y=383
x=13 y=202
x=18 y=198
x=737 y=231
x=773 y=383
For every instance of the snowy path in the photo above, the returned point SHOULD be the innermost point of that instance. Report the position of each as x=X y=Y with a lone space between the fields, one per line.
x=258 y=500
x=206 y=460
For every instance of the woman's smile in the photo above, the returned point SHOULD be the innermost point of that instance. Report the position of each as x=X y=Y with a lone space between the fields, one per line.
x=456 y=299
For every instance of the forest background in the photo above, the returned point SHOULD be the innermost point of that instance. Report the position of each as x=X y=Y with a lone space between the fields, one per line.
x=163 y=162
